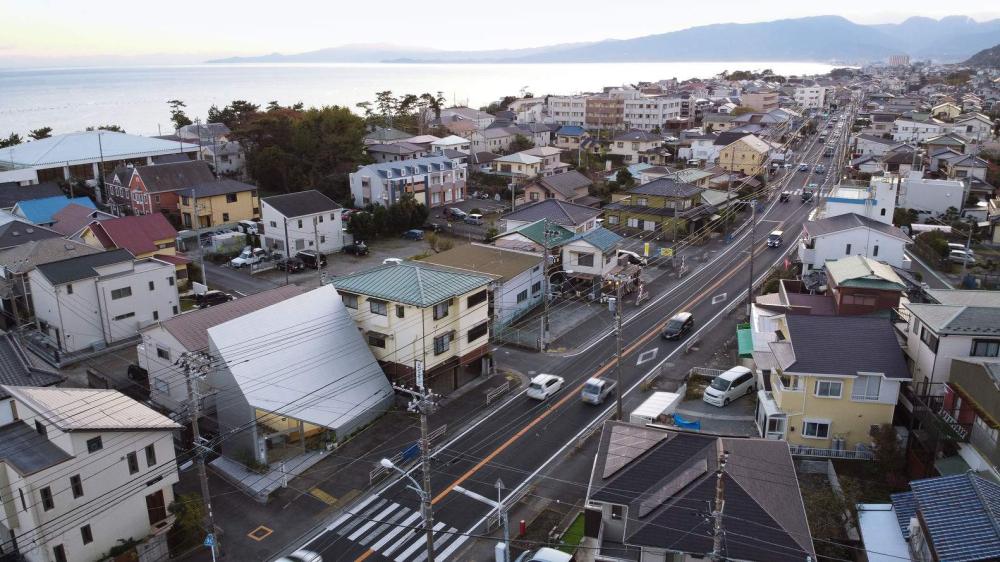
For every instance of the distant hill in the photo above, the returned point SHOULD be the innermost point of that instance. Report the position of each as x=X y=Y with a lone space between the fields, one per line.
x=820 y=38
x=987 y=58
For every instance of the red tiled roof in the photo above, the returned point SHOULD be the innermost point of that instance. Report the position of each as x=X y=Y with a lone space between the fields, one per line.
x=176 y=260
x=136 y=234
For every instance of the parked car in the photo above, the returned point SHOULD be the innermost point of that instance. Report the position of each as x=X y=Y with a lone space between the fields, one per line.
x=455 y=213
x=248 y=257
x=248 y=227
x=356 y=249
x=474 y=218
x=596 y=390
x=291 y=265
x=633 y=258
x=544 y=554
x=953 y=247
x=414 y=234
x=729 y=386
x=212 y=298
x=313 y=259
x=959 y=256
x=678 y=326
x=301 y=556
x=774 y=239
x=542 y=386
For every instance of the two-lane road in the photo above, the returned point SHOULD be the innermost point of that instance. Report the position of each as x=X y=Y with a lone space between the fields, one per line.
x=523 y=437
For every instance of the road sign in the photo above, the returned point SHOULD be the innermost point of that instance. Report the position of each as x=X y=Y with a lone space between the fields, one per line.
x=666 y=252
x=419 y=365
x=645 y=250
x=210 y=540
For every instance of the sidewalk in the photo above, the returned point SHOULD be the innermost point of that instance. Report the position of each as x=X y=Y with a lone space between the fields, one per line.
x=312 y=498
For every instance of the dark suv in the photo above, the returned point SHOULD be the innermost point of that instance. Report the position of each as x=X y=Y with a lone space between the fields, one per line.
x=356 y=249
x=678 y=326
x=311 y=258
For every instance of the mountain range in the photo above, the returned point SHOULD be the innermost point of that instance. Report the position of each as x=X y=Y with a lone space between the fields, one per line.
x=819 y=38
x=987 y=58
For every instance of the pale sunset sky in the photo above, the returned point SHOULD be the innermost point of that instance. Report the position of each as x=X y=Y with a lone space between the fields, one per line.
x=72 y=32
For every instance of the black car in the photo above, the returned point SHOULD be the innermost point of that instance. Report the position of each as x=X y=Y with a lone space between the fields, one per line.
x=356 y=249
x=784 y=196
x=414 y=234
x=678 y=326
x=314 y=260
x=212 y=298
x=290 y=264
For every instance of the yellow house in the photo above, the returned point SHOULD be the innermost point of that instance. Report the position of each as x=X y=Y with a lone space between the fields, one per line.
x=825 y=382
x=219 y=202
x=518 y=165
x=747 y=155
x=145 y=236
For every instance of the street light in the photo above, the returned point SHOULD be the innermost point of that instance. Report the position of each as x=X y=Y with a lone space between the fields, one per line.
x=425 y=504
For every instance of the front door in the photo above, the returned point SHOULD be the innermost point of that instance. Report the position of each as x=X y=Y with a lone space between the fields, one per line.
x=156 y=508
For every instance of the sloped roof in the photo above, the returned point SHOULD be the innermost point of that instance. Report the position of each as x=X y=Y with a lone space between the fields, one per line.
x=41 y=211
x=667 y=187
x=862 y=272
x=72 y=218
x=86 y=146
x=401 y=147
x=979 y=297
x=958 y=319
x=519 y=158
x=961 y=514
x=176 y=176
x=17 y=232
x=567 y=183
x=637 y=136
x=667 y=480
x=191 y=328
x=138 y=234
x=329 y=378
x=89 y=409
x=754 y=143
x=600 y=238
x=26 y=256
x=16 y=369
x=81 y=267
x=559 y=212
x=220 y=186
x=571 y=131
x=845 y=345
x=491 y=260
x=412 y=282
x=386 y=134
x=301 y=203
x=11 y=193
x=848 y=221
x=28 y=451
x=535 y=232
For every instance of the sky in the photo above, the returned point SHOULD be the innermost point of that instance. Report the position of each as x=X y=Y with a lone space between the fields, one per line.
x=57 y=32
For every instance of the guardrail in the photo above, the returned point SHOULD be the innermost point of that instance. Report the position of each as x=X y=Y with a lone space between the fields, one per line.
x=495 y=393
x=405 y=458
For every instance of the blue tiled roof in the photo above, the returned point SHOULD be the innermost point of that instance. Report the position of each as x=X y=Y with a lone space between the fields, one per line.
x=40 y=211
x=571 y=130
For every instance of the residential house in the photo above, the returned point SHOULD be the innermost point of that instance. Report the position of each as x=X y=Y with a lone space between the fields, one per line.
x=72 y=219
x=760 y=101
x=865 y=145
x=58 y=458
x=317 y=390
x=163 y=343
x=395 y=152
x=569 y=137
x=143 y=190
x=83 y=155
x=219 y=202
x=42 y=211
x=951 y=141
x=144 y=236
x=520 y=166
x=13 y=192
x=955 y=325
x=974 y=126
x=825 y=381
x=717 y=122
x=930 y=195
x=535 y=237
x=907 y=130
x=652 y=493
x=875 y=199
x=227 y=158
x=662 y=205
x=550 y=155
x=748 y=155
x=431 y=180
x=494 y=139
x=520 y=277
x=305 y=220
x=633 y=146
x=17 y=261
x=412 y=311
x=480 y=118
x=965 y=166
x=451 y=142
x=89 y=302
x=851 y=234
x=860 y=285
x=946 y=111
x=571 y=186
x=592 y=254
x=538 y=133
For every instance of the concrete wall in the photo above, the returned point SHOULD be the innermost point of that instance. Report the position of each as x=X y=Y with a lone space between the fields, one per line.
x=862 y=242
x=303 y=232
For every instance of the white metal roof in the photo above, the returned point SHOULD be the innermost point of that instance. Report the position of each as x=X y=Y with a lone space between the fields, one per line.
x=880 y=532
x=656 y=404
x=316 y=367
x=88 y=146
x=87 y=409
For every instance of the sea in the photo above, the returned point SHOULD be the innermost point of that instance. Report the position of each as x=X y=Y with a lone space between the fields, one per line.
x=135 y=97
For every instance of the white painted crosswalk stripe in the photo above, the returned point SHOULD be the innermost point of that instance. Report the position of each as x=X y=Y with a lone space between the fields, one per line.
x=374 y=521
x=421 y=541
x=402 y=527
x=453 y=547
x=354 y=509
x=441 y=540
x=390 y=523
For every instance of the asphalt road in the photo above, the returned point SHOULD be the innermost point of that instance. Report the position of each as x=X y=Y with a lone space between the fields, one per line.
x=522 y=437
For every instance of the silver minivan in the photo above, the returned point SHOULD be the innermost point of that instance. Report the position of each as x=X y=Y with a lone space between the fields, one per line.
x=729 y=386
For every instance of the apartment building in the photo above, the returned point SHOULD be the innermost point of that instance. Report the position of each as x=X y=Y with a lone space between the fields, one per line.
x=648 y=113
x=568 y=110
x=810 y=97
x=431 y=180
x=760 y=101
x=604 y=112
x=306 y=220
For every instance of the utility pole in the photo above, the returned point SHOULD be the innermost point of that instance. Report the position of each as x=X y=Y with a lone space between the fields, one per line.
x=502 y=516
x=288 y=257
x=618 y=339
x=720 y=503
x=197 y=364
x=968 y=246
x=319 y=254
x=753 y=225
x=423 y=402
x=545 y=274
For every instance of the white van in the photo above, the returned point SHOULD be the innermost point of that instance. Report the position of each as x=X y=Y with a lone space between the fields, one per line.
x=729 y=386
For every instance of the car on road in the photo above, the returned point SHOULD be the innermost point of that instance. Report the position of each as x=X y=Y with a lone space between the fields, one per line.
x=679 y=325
x=248 y=257
x=774 y=239
x=596 y=390
x=544 y=554
x=542 y=386
x=785 y=196
x=803 y=167
x=414 y=234
x=633 y=258
x=474 y=218
x=787 y=165
x=313 y=259
x=356 y=248
x=301 y=556
x=290 y=265
x=736 y=382
x=212 y=298
x=820 y=169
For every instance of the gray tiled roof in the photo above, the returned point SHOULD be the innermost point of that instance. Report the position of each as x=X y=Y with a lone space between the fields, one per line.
x=301 y=203
x=16 y=369
x=600 y=238
x=566 y=183
x=26 y=450
x=667 y=188
x=847 y=221
x=11 y=193
x=412 y=283
x=218 y=187
x=845 y=345
x=175 y=176
x=81 y=267
x=17 y=232
x=560 y=212
x=958 y=319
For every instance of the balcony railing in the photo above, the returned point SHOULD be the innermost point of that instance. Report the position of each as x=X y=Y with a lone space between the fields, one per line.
x=860 y=452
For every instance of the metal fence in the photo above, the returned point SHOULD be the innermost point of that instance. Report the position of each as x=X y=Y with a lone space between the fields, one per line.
x=859 y=453
x=407 y=457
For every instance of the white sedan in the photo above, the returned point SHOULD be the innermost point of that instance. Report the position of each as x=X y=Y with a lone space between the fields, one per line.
x=543 y=386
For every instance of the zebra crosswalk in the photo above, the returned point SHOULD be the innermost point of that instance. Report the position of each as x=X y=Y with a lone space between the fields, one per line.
x=395 y=531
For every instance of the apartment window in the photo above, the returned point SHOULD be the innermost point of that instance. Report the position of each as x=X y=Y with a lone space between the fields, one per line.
x=230 y=198
x=866 y=387
x=225 y=217
x=612 y=219
x=150 y=455
x=400 y=311
x=442 y=343
x=536 y=288
x=829 y=389
x=378 y=307
x=94 y=444
x=300 y=223
x=47 y=502
x=59 y=553
x=274 y=224
x=522 y=296
x=929 y=339
x=40 y=428
x=582 y=258
x=170 y=281
x=175 y=309
x=633 y=222
x=441 y=309
x=69 y=289
x=350 y=301
x=642 y=202
x=86 y=534
x=616 y=512
x=985 y=348
x=848 y=250
x=476 y=299
x=319 y=218
x=121 y=293
x=875 y=248
x=816 y=429
x=76 y=484
x=156 y=315
x=133 y=463
x=124 y=316
x=376 y=339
